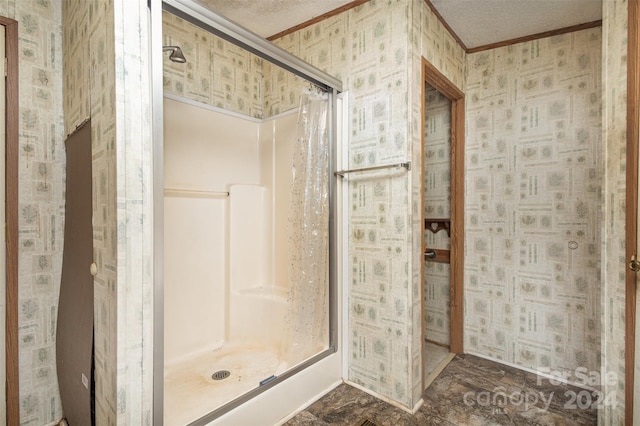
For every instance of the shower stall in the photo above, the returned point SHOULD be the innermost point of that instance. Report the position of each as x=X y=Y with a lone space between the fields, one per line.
x=248 y=231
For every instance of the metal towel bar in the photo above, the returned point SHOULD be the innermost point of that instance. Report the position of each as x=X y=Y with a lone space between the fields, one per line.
x=406 y=165
x=190 y=193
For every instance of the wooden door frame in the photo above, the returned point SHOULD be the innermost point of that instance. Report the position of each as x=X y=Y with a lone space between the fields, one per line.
x=633 y=118
x=11 y=218
x=433 y=77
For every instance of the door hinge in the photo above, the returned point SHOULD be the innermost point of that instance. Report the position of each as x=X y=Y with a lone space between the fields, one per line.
x=6 y=65
x=634 y=264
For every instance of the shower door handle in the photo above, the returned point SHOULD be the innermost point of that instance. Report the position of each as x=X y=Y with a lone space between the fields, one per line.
x=430 y=254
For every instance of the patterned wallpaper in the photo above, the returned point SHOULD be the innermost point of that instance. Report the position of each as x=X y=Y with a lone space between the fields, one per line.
x=533 y=202
x=377 y=55
x=89 y=91
x=614 y=92
x=217 y=72
x=75 y=33
x=367 y=48
x=374 y=49
x=281 y=90
x=41 y=203
x=430 y=40
x=116 y=96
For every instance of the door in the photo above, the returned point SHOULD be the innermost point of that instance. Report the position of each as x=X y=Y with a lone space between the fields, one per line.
x=74 y=331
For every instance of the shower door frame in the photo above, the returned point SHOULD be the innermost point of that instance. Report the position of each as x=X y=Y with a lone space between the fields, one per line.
x=239 y=36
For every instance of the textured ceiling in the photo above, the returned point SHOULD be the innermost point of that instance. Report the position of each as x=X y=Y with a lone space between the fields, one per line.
x=482 y=22
x=476 y=22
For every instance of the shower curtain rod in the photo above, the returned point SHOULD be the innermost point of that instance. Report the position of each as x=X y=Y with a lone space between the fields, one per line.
x=406 y=165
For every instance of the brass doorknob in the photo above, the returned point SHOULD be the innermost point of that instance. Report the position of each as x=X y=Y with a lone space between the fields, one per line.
x=634 y=264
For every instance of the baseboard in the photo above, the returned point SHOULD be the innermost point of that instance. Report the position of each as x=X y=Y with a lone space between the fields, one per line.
x=387 y=399
x=536 y=372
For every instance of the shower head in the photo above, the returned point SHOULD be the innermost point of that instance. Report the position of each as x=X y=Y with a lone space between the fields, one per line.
x=176 y=54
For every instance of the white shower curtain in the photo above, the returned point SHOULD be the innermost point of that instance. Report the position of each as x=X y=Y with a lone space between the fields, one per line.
x=307 y=316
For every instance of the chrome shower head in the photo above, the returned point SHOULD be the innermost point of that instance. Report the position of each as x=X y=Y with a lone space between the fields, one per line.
x=176 y=54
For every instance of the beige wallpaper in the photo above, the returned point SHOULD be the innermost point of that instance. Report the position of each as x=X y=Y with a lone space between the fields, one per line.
x=533 y=202
x=89 y=91
x=430 y=40
x=367 y=48
x=41 y=203
x=116 y=96
x=216 y=72
x=614 y=93
x=376 y=50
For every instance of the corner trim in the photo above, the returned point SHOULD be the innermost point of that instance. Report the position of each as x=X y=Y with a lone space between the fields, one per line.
x=545 y=34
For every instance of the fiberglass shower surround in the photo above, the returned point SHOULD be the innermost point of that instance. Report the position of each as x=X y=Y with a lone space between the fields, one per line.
x=246 y=250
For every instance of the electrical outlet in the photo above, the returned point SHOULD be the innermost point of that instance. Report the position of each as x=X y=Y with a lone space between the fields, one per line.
x=85 y=381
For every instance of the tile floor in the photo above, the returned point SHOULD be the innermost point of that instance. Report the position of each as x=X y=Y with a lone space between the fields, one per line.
x=468 y=392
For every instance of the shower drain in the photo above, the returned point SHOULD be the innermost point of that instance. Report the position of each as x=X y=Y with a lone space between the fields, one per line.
x=220 y=375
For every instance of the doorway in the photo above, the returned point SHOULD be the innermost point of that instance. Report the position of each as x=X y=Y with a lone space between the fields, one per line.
x=443 y=216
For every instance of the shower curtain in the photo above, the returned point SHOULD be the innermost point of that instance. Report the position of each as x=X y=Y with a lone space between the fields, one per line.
x=307 y=315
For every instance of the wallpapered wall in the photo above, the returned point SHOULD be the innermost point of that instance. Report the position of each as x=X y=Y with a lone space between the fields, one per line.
x=41 y=203
x=384 y=256
x=223 y=75
x=89 y=92
x=428 y=39
x=614 y=93
x=376 y=49
x=217 y=72
x=532 y=213
x=115 y=94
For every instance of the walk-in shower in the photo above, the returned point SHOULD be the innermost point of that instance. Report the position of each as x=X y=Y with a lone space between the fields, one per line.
x=248 y=290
